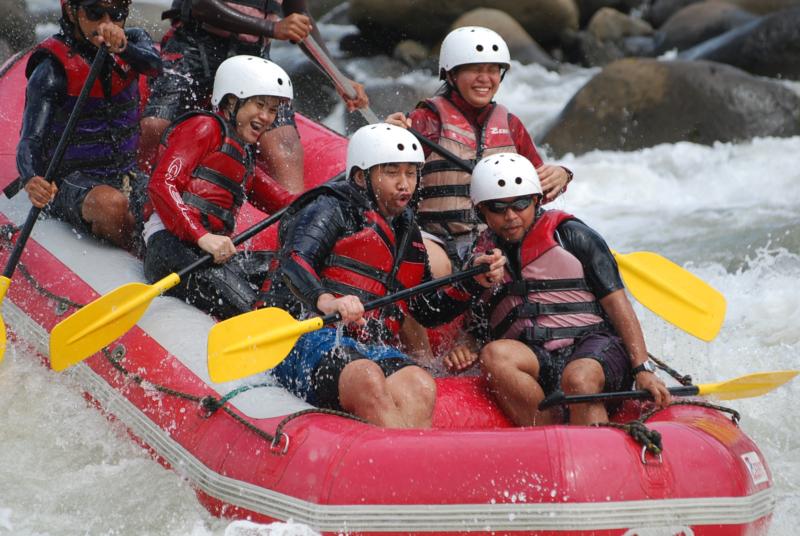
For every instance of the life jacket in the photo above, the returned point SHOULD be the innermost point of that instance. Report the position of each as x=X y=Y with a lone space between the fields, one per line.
x=369 y=262
x=270 y=10
x=445 y=207
x=106 y=135
x=221 y=180
x=549 y=302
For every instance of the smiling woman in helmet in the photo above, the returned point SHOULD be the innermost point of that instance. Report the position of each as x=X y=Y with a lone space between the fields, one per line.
x=203 y=174
x=349 y=242
x=464 y=119
x=100 y=184
x=559 y=317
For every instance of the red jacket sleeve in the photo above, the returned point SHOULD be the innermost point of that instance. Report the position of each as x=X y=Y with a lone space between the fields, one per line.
x=186 y=145
x=523 y=141
x=266 y=194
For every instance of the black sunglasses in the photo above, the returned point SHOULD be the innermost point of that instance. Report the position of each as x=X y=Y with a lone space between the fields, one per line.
x=500 y=207
x=95 y=12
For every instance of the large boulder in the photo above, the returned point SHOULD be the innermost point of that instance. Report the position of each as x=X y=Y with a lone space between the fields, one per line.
x=587 y=8
x=390 y=21
x=661 y=10
x=764 y=6
x=608 y=24
x=700 y=22
x=520 y=44
x=637 y=103
x=769 y=46
x=610 y=35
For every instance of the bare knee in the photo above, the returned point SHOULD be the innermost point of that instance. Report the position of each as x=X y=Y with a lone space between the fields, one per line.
x=105 y=203
x=584 y=376
x=361 y=382
x=493 y=357
x=416 y=384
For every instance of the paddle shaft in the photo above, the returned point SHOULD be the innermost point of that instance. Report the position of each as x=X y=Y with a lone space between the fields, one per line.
x=559 y=399
x=238 y=239
x=413 y=291
x=342 y=84
x=55 y=161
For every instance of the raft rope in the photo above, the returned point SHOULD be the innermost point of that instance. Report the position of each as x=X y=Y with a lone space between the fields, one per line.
x=651 y=439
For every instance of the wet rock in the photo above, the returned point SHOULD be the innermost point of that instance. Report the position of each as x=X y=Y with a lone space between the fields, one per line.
x=661 y=10
x=699 y=22
x=762 y=7
x=611 y=25
x=314 y=94
x=587 y=8
x=388 y=21
x=769 y=46
x=411 y=53
x=520 y=44
x=637 y=103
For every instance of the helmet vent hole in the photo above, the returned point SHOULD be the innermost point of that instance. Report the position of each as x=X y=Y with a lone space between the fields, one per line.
x=479 y=48
x=518 y=180
x=495 y=48
x=280 y=81
x=414 y=146
x=501 y=183
x=400 y=146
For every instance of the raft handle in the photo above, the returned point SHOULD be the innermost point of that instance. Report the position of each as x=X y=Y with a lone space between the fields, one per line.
x=644 y=456
x=276 y=443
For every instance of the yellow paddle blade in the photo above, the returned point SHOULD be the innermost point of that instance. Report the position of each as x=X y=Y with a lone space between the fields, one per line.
x=99 y=323
x=254 y=342
x=673 y=293
x=747 y=386
x=5 y=282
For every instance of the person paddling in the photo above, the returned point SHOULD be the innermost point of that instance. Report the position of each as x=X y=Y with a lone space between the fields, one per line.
x=101 y=188
x=464 y=119
x=349 y=242
x=204 y=173
x=204 y=34
x=559 y=316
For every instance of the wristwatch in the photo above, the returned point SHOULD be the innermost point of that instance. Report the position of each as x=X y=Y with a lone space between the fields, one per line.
x=647 y=366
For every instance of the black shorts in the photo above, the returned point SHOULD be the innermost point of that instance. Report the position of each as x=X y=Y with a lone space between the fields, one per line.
x=68 y=202
x=604 y=347
x=325 y=378
x=190 y=61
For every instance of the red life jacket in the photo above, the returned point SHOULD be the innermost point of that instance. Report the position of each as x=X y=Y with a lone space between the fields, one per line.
x=551 y=303
x=445 y=207
x=365 y=264
x=221 y=179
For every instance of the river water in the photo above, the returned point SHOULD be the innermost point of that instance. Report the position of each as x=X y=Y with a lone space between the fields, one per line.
x=730 y=213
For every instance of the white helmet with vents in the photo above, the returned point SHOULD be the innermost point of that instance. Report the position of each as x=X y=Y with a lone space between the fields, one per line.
x=472 y=44
x=248 y=76
x=382 y=143
x=503 y=175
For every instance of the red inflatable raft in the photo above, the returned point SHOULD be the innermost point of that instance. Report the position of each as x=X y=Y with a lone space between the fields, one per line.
x=252 y=450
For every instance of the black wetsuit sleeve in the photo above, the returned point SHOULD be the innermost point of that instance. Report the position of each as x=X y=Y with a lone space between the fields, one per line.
x=308 y=241
x=219 y=15
x=141 y=53
x=44 y=95
x=599 y=266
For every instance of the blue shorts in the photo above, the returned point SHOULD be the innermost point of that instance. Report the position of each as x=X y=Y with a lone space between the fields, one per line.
x=311 y=370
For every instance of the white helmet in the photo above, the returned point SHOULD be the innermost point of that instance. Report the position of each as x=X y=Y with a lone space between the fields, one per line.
x=382 y=143
x=472 y=44
x=248 y=76
x=503 y=175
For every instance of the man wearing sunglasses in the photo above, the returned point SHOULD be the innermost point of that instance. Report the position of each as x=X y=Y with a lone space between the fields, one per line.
x=100 y=186
x=559 y=316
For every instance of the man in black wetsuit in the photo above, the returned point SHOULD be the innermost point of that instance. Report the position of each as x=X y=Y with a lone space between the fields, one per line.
x=101 y=186
x=559 y=316
x=204 y=34
x=349 y=242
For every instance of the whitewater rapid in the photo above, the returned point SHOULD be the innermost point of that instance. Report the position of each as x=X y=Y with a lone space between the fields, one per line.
x=730 y=213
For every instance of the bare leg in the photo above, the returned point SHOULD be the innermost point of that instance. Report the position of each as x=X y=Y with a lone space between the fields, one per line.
x=440 y=262
x=512 y=370
x=414 y=392
x=404 y=400
x=415 y=341
x=585 y=377
x=106 y=210
x=282 y=157
x=152 y=128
